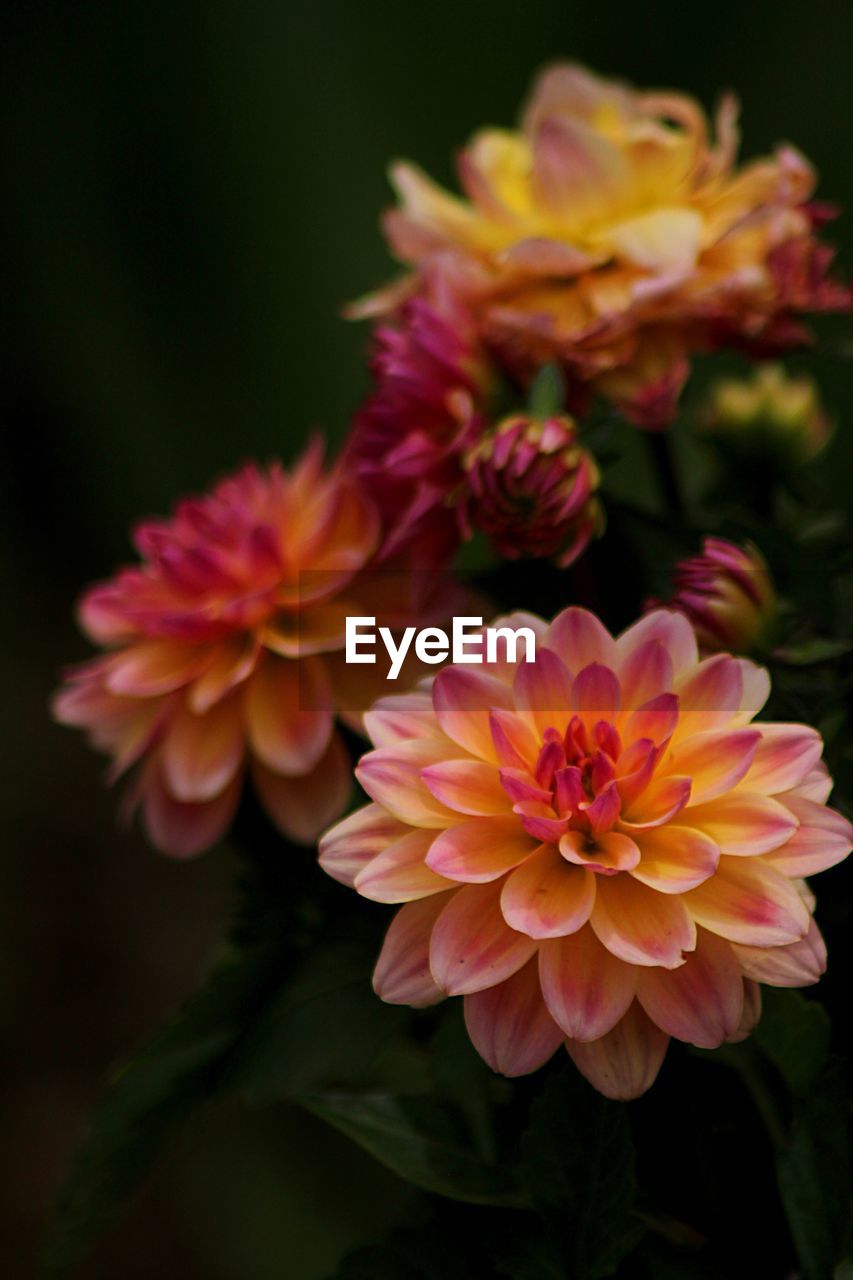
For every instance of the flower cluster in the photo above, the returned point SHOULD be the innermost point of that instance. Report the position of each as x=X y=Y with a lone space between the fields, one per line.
x=600 y=848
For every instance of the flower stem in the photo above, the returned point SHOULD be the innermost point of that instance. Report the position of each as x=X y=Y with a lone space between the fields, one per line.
x=661 y=453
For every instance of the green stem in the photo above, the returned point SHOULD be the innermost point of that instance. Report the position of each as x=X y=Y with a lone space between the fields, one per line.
x=661 y=453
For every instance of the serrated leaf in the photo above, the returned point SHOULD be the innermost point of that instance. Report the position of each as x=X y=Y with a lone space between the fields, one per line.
x=815 y=1174
x=183 y=1065
x=794 y=1032
x=579 y=1169
x=419 y=1139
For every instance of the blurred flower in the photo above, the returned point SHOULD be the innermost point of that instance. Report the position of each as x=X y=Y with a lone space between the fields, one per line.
x=770 y=414
x=220 y=654
x=609 y=233
x=598 y=848
x=530 y=485
x=728 y=595
x=407 y=440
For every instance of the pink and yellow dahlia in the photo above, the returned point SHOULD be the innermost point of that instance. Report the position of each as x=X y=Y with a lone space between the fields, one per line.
x=610 y=233
x=599 y=848
x=222 y=654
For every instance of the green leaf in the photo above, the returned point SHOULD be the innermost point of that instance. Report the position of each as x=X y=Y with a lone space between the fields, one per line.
x=185 y=1064
x=410 y=1254
x=815 y=1174
x=844 y=1272
x=809 y=653
x=547 y=392
x=579 y=1171
x=419 y=1139
x=794 y=1032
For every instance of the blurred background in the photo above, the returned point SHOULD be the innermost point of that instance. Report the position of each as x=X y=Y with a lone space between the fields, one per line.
x=192 y=193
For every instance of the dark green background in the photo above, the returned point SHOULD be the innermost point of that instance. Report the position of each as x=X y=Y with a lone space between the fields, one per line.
x=194 y=192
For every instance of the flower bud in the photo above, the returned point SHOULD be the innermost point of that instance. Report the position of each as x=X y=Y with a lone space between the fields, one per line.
x=728 y=595
x=531 y=487
x=772 y=413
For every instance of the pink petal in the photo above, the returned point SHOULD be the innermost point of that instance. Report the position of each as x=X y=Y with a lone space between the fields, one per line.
x=596 y=693
x=510 y=1026
x=202 y=753
x=184 y=830
x=655 y=720
x=817 y=785
x=579 y=638
x=392 y=777
x=288 y=714
x=658 y=804
x=751 y=1015
x=233 y=661
x=543 y=689
x=669 y=628
x=546 y=898
x=714 y=761
x=749 y=902
x=700 y=1003
x=480 y=850
x=351 y=843
x=743 y=823
x=823 y=839
x=400 y=873
x=798 y=964
x=514 y=743
x=303 y=807
x=463 y=700
x=586 y=988
x=786 y=754
x=399 y=718
x=709 y=696
x=639 y=925
x=150 y=667
x=674 y=859
x=756 y=690
x=624 y=1063
x=402 y=974
x=472 y=946
x=646 y=673
x=467 y=786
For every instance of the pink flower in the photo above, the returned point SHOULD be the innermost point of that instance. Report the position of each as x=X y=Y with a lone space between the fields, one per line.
x=530 y=485
x=728 y=595
x=408 y=439
x=222 y=654
x=599 y=848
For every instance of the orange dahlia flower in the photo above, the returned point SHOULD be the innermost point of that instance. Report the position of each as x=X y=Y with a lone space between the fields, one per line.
x=221 y=651
x=610 y=233
x=599 y=848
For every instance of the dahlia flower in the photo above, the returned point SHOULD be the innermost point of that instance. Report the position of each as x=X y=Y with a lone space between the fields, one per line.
x=609 y=232
x=728 y=595
x=599 y=848
x=221 y=654
x=530 y=485
x=431 y=380
x=772 y=413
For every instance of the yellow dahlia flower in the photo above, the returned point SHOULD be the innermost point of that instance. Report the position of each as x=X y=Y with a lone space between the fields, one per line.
x=610 y=232
x=599 y=848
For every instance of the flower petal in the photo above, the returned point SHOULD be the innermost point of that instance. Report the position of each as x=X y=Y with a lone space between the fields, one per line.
x=624 y=1063
x=578 y=637
x=645 y=673
x=202 y=753
x=472 y=946
x=749 y=902
x=714 y=761
x=799 y=964
x=288 y=713
x=510 y=1026
x=786 y=754
x=233 y=661
x=351 y=843
x=149 y=667
x=674 y=859
x=480 y=850
x=463 y=700
x=467 y=786
x=596 y=693
x=709 y=696
x=547 y=898
x=585 y=987
x=399 y=718
x=543 y=689
x=822 y=840
x=701 y=1002
x=183 y=830
x=609 y=852
x=303 y=807
x=392 y=777
x=658 y=804
x=743 y=823
x=639 y=925
x=402 y=974
x=400 y=873
x=669 y=628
